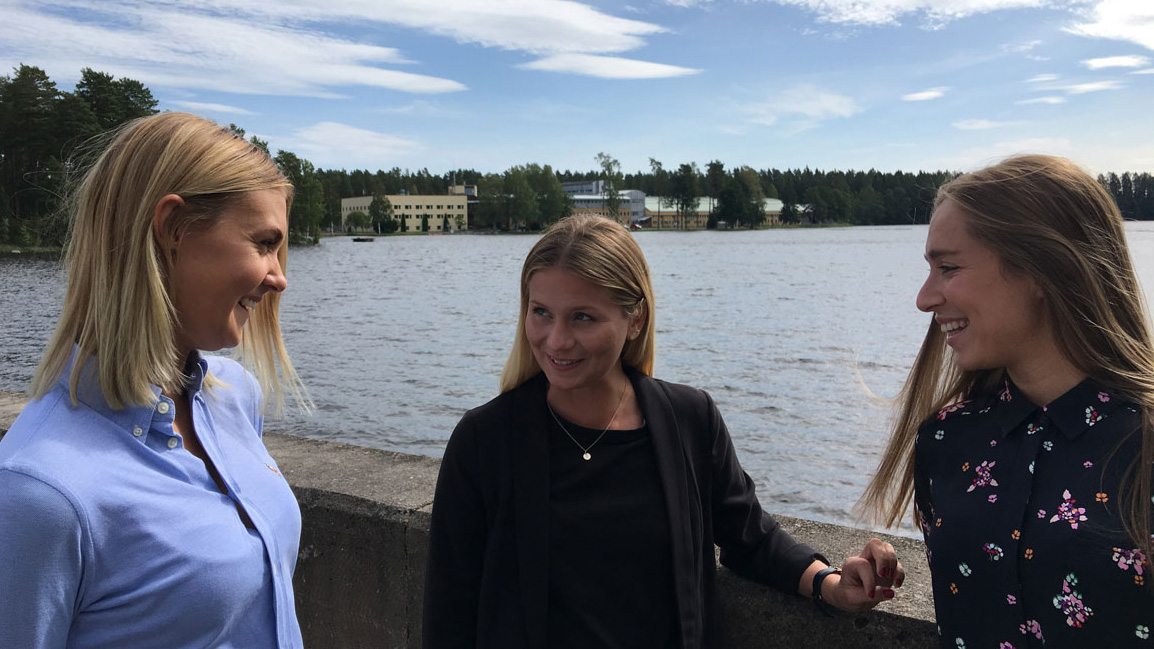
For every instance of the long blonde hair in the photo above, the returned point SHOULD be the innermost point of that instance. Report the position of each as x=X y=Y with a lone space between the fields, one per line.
x=117 y=309
x=603 y=253
x=1048 y=220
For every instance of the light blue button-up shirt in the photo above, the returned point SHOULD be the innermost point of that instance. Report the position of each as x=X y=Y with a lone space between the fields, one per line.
x=113 y=535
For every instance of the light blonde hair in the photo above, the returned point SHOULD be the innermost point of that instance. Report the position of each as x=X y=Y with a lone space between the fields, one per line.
x=117 y=307
x=602 y=252
x=1048 y=220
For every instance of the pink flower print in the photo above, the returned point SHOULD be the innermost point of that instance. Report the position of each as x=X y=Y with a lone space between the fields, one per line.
x=953 y=407
x=993 y=551
x=1005 y=645
x=983 y=479
x=992 y=498
x=1092 y=416
x=1127 y=559
x=1070 y=603
x=1011 y=600
x=1005 y=395
x=1041 y=513
x=1103 y=397
x=1087 y=464
x=1031 y=627
x=1068 y=512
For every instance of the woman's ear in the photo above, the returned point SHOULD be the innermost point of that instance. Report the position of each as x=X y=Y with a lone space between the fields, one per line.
x=163 y=233
x=637 y=321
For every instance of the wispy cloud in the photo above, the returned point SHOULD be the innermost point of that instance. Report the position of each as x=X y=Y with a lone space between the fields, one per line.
x=1121 y=20
x=933 y=13
x=202 y=107
x=804 y=106
x=274 y=47
x=607 y=67
x=332 y=143
x=1116 y=62
x=1042 y=78
x=926 y=95
x=1050 y=99
x=1146 y=71
x=983 y=155
x=1094 y=86
x=978 y=124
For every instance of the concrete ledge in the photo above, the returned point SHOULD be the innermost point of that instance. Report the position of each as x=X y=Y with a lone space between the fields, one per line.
x=359 y=578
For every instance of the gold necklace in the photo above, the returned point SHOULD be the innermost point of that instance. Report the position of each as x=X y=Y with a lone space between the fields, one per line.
x=585 y=449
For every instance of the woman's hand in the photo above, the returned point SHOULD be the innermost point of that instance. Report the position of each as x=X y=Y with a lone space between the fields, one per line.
x=865 y=580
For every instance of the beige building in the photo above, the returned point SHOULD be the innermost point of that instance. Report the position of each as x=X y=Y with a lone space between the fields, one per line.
x=418 y=213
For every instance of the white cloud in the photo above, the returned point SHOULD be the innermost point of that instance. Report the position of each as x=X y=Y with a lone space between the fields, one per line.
x=933 y=13
x=925 y=95
x=1042 y=100
x=607 y=67
x=201 y=107
x=1116 y=62
x=978 y=124
x=332 y=143
x=275 y=46
x=1146 y=71
x=1121 y=20
x=806 y=105
x=1020 y=48
x=1094 y=86
x=1042 y=78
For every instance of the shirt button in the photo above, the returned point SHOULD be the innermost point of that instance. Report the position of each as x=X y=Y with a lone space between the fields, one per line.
x=162 y=407
x=172 y=442
x=137 y=431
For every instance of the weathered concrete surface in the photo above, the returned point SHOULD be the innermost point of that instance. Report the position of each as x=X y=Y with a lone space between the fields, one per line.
x=359 y=578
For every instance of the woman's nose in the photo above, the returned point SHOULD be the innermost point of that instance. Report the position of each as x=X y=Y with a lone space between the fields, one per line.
x=928 y=296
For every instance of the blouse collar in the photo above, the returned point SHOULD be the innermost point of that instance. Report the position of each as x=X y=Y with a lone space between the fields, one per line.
x=1073 y=413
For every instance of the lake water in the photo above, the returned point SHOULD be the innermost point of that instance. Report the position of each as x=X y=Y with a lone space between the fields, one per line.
x=800 y=335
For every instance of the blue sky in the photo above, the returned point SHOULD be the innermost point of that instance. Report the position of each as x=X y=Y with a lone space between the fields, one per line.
x=487 y=84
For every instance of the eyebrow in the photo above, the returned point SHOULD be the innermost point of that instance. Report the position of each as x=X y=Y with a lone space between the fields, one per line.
x=272 y=233
x=938 y=254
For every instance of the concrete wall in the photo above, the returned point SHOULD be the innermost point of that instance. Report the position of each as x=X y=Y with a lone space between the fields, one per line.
x=366 y=518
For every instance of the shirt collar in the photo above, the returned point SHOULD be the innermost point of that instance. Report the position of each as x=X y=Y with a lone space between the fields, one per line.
x=157 y=414
x=1072 y=413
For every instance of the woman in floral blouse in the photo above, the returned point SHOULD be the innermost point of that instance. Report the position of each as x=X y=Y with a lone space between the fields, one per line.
x=1024 y=435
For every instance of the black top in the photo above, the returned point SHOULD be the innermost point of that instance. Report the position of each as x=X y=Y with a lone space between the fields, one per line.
x=610 y=560
x=1019 y=505
x=487 y=577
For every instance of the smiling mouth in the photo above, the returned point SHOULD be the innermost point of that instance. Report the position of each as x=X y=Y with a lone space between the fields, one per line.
x=562 y=363
x=954 y=326
x=248 y=304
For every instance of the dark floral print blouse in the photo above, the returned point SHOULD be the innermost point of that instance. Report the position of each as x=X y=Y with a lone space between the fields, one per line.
x=1019 y=506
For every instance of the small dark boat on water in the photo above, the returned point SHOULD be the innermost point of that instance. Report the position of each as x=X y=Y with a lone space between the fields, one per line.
x=362 y=239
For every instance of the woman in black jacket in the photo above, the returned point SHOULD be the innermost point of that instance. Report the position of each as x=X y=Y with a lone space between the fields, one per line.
x=580 y=508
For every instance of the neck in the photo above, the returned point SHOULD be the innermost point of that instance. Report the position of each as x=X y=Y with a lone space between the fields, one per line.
x=1041 y=383
x=593 y=406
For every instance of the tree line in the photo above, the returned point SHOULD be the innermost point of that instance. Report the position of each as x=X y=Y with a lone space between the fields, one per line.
x=43 y=131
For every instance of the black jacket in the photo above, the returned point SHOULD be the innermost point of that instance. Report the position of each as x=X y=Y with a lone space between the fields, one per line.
x=486 y=583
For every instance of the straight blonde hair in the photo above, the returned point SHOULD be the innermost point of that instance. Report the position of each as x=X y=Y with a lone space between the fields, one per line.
x=1048 y=220
x=602 y=252
x=117 y=314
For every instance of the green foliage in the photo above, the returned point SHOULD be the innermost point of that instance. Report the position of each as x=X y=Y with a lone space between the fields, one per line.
x=308 y=209
x=611 y=183
x=358 y=221
x=684 y=188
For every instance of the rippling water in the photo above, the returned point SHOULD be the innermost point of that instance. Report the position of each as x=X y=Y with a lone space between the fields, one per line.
x=793 y=332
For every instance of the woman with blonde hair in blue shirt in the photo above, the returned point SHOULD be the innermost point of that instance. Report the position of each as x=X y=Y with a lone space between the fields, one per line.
x=1026 y=431
x=139 y=506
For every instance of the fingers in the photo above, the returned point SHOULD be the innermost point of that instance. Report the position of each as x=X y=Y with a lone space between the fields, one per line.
x=885 y=562
x=859 y=588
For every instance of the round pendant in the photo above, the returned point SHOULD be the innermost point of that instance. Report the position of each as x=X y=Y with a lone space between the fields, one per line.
x=587 y=456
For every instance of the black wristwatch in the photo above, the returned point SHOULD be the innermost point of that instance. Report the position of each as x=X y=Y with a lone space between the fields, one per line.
x=818 y=578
